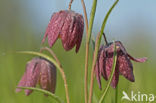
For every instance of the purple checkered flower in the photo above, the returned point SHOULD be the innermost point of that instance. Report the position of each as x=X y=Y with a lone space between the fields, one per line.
x=38 y=70
x=66 y=25
x=123 y=66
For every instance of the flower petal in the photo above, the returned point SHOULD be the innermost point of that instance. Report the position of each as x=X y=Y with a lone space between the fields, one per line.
x=141 y=60
x=52 y=77
x=33 y=73
x=102 y=67
x=54 y=27
x=48 y=76
x=115 y=79
x=109 y=64
x=48 y=30
x=97 y=73
x=125 y=67
x=21 y=83
x=67 y=29
x=72 y=31
x=79 y=31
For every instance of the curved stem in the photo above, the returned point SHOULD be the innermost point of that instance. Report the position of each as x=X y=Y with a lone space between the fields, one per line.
x=111 y=76
x=85 y=15
x=45 y=92
x=87 y=50
x=70 y=3
x=97 y=48
x=56 y=64
x=65 y=85
x=52 y=53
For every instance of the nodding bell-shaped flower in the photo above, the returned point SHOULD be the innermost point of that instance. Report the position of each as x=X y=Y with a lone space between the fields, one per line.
x=123 y=66
x=41 y=71
x=66 y=25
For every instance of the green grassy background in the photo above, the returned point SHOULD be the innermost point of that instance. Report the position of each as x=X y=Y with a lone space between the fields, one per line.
x=16 y=35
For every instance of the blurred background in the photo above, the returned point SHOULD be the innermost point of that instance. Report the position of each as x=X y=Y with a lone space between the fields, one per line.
x=22 y=27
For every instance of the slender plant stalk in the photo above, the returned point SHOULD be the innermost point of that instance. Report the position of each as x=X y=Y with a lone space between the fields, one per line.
x=45 y=92
x=96 y=50
x=116 y=94
x=89 y=32
x=85 y=15
x=56 y=64
x=91 y=20
x=87 y=50
x=111 y=76
x=86 y=73
x=92 y=72
x=70 y=3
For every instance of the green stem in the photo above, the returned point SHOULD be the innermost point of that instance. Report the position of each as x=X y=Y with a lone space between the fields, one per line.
x=45 y=92
x=86 y=58
x=97 y=48
x=111 y=76
x=91 y=20
x=88 y=36
x=56 y=64
x=92 y=72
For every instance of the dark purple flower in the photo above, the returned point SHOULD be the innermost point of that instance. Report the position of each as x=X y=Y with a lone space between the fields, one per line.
x=38 y=70
x=66 y=25
x=123 y=66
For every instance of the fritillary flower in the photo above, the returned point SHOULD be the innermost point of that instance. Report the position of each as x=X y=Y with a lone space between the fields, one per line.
x=123 y=66
x=41 y=71
x=66 y=25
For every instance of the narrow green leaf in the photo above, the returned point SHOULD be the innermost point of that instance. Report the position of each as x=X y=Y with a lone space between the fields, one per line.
x=41 y=55
x=105 y=20
x=91 y=20
x=45 y=92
